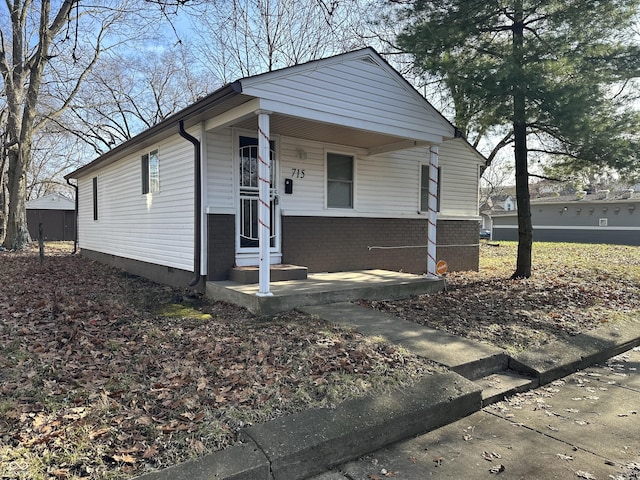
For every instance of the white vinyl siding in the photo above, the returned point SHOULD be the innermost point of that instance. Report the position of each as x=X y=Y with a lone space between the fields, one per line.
x=221 y=182
x=385 y=185
x=388 y=184
x=308 y=192
x=155 y=228
x=459 y=190
x=382 y=101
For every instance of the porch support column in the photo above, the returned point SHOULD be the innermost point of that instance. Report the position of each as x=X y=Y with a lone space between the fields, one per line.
x=433 y=211
x=264 y=209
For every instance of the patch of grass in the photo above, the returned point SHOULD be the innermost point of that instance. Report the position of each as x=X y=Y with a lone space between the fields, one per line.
x=178 y=310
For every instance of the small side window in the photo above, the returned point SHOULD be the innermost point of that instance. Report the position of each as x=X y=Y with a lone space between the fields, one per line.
x=95 y=198
x=150 y=166
x=424 y=188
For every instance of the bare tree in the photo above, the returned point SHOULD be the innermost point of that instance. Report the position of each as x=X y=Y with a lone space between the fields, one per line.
x=46 y=51
x=53 y=153
x=132 y=91
x=240 y=38
x=495 y=179
x=4 y=167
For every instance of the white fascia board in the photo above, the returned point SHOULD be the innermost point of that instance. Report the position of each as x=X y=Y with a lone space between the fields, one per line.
x=459 y=217
x=347 y=121
x=234 y=115
x=394 y=147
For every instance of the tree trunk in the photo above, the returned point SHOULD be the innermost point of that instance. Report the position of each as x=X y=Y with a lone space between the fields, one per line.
x=17 y=233
x=22 y=72
x=525 y=230
x=4 y=193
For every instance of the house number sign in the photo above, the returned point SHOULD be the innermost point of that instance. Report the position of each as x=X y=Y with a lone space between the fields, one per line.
x=297 y=172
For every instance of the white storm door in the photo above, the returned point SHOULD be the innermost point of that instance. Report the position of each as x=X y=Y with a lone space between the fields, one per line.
x=247 y=221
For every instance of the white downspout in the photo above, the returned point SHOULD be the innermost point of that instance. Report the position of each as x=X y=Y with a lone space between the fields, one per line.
x=204 y=227
x=433 y=211
x=264 y=210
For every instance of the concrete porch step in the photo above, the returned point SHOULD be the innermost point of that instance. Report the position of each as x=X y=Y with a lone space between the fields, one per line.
x=279 y=273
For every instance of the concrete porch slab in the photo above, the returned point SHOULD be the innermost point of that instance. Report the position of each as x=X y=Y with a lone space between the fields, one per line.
x=322 y=288
x=278 y=273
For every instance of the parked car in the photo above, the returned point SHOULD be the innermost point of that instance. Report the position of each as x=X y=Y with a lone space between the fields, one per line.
x=485 y=234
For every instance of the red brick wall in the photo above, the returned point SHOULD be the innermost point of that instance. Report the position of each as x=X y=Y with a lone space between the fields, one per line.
x=341 y=244
x=326 y=244
x=463 y=238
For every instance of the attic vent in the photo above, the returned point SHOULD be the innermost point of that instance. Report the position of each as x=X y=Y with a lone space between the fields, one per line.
x=369 y=60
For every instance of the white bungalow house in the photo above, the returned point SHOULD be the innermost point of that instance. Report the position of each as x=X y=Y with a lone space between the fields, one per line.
x=355 y=157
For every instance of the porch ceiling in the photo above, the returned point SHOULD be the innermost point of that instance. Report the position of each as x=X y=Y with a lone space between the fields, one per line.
x=326 y=133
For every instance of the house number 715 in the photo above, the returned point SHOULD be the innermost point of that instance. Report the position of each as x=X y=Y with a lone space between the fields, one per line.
x=297 y=172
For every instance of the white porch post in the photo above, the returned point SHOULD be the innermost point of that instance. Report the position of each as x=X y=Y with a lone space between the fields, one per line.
x=433 y=211
x=264 y=210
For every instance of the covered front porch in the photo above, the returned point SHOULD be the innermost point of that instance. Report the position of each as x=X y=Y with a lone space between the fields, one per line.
x=323 y=288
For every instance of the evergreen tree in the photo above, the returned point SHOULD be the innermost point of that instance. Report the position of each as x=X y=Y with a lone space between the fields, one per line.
x=549 y=75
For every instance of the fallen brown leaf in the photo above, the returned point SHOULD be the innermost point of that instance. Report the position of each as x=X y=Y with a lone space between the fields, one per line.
x=124 y=458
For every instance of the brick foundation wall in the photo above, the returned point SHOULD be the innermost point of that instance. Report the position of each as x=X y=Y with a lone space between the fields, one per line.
x=326 y=244
x=220 y=246
x=339 y=244
x=463 y=236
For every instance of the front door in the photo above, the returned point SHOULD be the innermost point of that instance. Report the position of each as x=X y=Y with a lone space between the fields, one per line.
x=247 y=248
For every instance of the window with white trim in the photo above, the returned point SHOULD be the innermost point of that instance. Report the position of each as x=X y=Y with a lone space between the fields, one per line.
x=150 y=172
x=95 y=197
x=339 y=180
x=424 y=188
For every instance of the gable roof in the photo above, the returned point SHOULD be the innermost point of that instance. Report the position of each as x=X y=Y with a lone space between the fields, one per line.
x=276 y=89
x=53 y=201
x=365 y=73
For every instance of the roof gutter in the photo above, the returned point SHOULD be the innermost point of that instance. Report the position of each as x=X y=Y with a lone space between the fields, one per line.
x=217 y=97
x=197 y=214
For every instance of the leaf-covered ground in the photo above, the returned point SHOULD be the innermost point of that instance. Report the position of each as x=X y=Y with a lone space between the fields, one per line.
x=106 y=376
x=574 y=288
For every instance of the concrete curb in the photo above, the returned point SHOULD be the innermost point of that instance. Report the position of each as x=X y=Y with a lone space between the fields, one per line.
x=558 y=359
x=310 y=442
x=240 y=462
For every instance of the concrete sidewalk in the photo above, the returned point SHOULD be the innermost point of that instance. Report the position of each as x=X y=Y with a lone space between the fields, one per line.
x=586 y=425
x=309 y=443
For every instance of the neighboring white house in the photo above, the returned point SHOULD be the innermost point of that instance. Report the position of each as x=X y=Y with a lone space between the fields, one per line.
x=349 y=147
